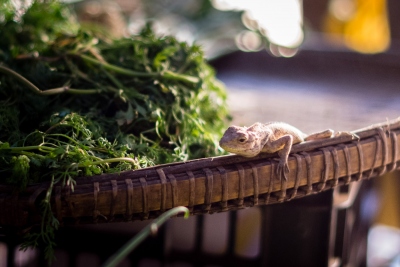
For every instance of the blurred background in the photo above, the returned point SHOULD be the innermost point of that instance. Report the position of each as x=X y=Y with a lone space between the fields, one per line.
x=315 y=64
x=279 y=27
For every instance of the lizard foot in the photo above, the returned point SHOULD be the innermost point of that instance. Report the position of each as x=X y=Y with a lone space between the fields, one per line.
x=282 y=170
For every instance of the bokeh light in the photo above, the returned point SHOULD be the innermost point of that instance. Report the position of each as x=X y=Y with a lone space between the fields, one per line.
x=281 y=22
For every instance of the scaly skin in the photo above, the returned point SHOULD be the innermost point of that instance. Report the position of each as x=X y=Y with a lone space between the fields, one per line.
x=269 y=138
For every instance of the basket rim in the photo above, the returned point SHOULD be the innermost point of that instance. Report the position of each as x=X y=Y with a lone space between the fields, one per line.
x=212 y=184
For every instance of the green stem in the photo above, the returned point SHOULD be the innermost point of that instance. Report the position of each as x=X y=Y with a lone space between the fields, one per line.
x=107 y=161
x=65 y=136
x=115 y=68
x=74 y=69
x=117 y=83
x=180 y=77
x=53 y=91
x=56 y=141
x=25 y=148
x=46 y=207
x=117 y=257
x=166 y=74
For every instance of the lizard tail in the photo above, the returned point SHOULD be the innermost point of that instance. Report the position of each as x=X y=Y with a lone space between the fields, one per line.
x=320 y=135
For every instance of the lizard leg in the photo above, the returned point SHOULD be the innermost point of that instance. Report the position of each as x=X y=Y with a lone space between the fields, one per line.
x=320 y=135
x=328 y=134
x=283 y=146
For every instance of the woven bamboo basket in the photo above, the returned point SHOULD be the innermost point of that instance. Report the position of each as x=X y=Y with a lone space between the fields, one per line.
x=211 y=185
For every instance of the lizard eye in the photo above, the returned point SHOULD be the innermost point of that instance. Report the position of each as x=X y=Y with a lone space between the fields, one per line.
x=242 y=140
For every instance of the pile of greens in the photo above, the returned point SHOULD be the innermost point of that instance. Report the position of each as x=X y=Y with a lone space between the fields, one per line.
x=74 y=103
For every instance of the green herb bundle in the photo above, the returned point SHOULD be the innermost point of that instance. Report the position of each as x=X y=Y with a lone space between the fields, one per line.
x=73 y=104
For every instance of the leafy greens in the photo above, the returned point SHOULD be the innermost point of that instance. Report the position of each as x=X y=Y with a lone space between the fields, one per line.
x=73 y=104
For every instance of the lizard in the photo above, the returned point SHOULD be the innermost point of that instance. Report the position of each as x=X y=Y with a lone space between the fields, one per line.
x=268 y=137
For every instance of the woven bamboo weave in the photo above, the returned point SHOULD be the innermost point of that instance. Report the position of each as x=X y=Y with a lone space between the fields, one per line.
x=212 y=184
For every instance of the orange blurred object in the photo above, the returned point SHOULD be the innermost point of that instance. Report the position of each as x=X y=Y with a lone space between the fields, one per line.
x=361 y=25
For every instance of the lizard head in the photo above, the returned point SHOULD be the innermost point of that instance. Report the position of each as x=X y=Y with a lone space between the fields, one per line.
x=239 y=140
